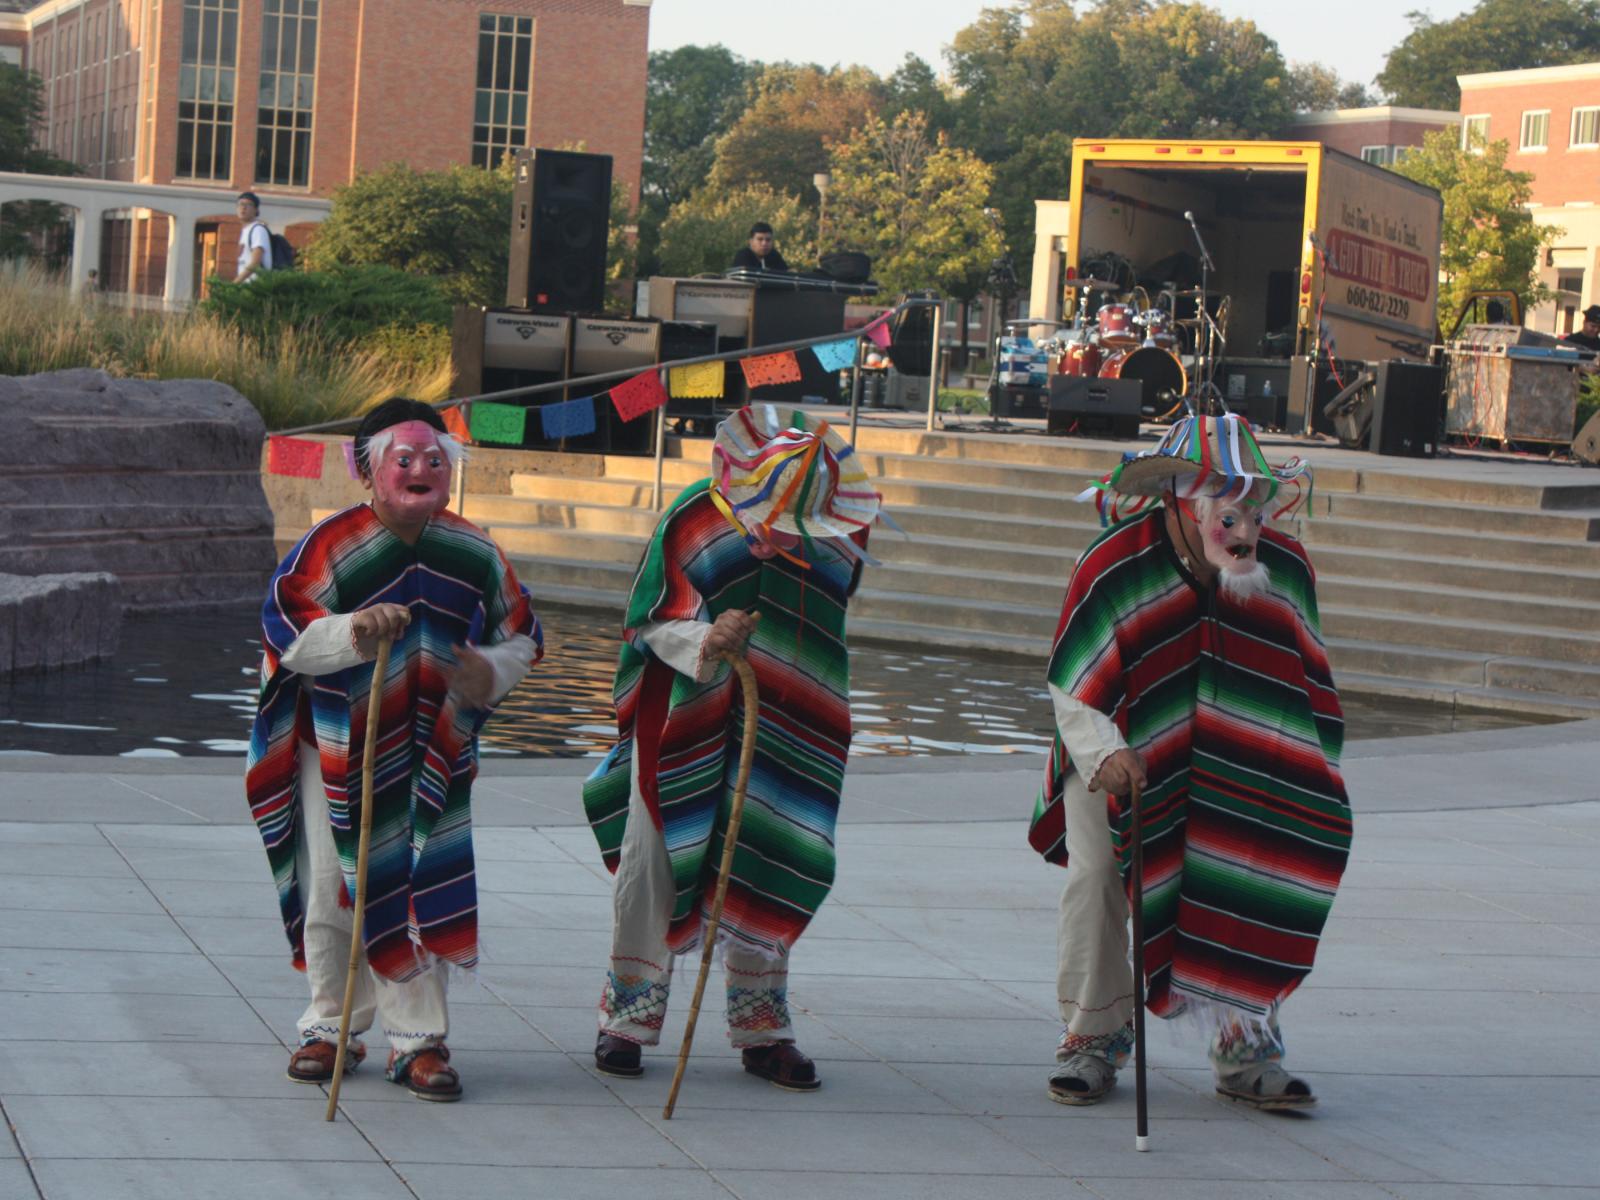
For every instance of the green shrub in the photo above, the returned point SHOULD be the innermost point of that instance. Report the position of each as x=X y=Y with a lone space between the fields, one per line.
x=342 y=305
x=416 y=347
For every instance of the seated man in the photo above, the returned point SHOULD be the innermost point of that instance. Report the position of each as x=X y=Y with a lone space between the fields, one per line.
x=1189 y=664
x=761 y=254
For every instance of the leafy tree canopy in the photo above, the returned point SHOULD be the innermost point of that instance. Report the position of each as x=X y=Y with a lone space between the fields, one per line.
x=1490 y=240
x=1317 y=88
x=694 y=94
x=1497 y=35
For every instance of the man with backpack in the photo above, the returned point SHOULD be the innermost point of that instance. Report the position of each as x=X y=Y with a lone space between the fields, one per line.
x=259 y=248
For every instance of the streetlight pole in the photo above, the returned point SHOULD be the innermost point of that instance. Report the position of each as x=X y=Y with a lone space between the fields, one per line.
x=821 y=180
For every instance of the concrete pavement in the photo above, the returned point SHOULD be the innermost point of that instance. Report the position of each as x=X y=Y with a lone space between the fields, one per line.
x=1452 y=1027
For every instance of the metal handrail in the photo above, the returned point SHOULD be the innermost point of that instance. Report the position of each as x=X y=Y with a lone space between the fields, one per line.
x=663 y=368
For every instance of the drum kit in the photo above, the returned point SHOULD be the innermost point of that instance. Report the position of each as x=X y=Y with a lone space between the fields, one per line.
x=1129 y=341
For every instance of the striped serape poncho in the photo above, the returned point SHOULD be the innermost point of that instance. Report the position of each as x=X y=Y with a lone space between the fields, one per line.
x=687 y=734
x=1231 y=703
x=421 y=889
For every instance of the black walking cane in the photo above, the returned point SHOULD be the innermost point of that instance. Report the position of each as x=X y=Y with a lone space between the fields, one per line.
x=1141 y=1128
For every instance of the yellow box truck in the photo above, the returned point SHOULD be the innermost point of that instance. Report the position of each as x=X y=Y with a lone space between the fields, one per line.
x=1311 y=246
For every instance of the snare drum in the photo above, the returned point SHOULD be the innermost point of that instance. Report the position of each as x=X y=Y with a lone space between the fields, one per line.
x=1117 y=325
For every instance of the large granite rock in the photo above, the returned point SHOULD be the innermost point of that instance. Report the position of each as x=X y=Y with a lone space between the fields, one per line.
x=49 y=621
x=157 y=483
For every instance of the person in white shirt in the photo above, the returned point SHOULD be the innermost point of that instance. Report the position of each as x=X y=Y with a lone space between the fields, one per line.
x=255 y=239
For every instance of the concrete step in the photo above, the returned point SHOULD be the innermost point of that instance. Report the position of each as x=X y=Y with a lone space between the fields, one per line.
x=1475 y=547
x=1426 y=570
x=493 y=512
x=1458 y=603
x=677 y=471
x=1075 y=529
x=968 y=584
x=1006 y=554
x=1490 y=636
x=570 y=490
x=1347 y=655
x=1459 y=488
x=1529 y=675
x=1504 y=522
x=1491 y=699
x=543 y=576
x=40 y=523
x=989 y=617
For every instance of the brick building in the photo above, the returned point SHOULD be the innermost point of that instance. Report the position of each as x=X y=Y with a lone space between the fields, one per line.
x=1380 y=134
x=1551 y=118
x=297 y=97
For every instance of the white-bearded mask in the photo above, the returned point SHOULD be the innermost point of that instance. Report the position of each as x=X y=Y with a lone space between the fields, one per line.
x=1229 y=530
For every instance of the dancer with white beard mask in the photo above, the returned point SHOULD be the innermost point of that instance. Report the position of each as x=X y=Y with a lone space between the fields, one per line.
x=1189 y=661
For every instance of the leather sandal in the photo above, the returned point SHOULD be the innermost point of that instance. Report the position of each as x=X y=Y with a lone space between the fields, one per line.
x=1082 y=1080
x=782 y=1065
x=1266 y=1086
x=313 y=1062
x=426 y=1074
x=617 y=1056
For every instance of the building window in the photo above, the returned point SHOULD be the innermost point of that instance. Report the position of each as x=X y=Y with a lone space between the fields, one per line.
x=1536 y=129
x=11 y=55
x=500 y=115
x=206 y=72
x=1475 y=132
x=287 y=92
x=1585 y=129
x=1378 y=155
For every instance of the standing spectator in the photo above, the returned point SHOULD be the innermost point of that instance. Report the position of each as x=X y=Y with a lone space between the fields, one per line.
x=255 y=240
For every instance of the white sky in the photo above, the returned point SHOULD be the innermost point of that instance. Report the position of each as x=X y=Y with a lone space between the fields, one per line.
x=879 y=33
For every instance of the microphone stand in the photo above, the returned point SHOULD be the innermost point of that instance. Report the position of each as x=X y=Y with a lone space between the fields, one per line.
x=1203 y=365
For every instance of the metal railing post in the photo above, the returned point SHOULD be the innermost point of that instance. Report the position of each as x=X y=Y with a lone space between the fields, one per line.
x=661 y=446
x=855 y=387
x=933 y=371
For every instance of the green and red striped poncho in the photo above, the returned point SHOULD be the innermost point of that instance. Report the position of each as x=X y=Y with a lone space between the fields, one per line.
x=421 y=886
x=687 y=734
x=1246 y=821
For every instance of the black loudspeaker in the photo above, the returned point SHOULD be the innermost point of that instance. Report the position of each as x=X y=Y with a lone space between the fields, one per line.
x=560 y=216
x=1408 y=411
x=1586 y=443
x=1104 y=407
x=911 y=336
x=1328 y=385
x=690 y=339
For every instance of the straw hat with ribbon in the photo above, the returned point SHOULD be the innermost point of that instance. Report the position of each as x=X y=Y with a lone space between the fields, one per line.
x=1200 y=456
x=801 y=479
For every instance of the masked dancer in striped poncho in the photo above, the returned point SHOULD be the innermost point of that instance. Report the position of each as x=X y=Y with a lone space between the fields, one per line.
x=763 y=556
x=464 y=636
x=1189 y=658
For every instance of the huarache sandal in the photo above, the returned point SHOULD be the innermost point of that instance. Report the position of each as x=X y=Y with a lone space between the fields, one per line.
x=1083 y=1079
x=617 y=1056
x=313 y=1062
x=426 y=1074
x=782 y=1065
x=1266 y=1086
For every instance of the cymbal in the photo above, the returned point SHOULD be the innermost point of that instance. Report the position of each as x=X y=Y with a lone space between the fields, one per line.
x=1189 y=293
x=1093 y=285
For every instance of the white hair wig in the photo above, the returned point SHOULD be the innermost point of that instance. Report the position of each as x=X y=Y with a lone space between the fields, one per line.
x=378 y=444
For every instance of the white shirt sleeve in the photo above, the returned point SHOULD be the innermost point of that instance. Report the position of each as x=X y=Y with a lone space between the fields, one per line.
x=1090 y=736
x=510 y=661
x=324 y=648
x=681 y=645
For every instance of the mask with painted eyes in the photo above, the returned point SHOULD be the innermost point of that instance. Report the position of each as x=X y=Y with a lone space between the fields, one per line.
x=1229 y=533
x=410 y=472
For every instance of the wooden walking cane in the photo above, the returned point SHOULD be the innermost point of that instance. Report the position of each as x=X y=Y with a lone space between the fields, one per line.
x=1141 y=1126
x=747 y=755
x=380 y=670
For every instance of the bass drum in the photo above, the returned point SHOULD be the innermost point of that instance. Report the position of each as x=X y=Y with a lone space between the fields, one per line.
x=1158 y=371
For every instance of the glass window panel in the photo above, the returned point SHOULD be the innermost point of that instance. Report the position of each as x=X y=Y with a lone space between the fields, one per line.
x=305 y=92
x=203 y=145
x=502 y=108
x=224 y=153
x=300 y=171
x=520 y=82
x=308 y=45
x=269 y=44
x=480 y=108
x=502 y=62
x=191 y=33
x=230 y=38
x=485 y=60
x=486 y=23
x=519 y=111
x=302 y=119
x=266 y=90
x=285 y=91
x=525 y=25
x=263 y=155
x=210 y=23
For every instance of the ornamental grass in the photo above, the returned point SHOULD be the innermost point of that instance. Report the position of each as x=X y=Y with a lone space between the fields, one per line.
x=292 y=378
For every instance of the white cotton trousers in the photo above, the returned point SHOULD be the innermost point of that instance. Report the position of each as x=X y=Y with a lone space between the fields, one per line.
x=633 y=1003
x=414 y=1012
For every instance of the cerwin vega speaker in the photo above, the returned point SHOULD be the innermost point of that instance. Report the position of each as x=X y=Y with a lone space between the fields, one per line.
x=1094 y=407
x=560 y=216
x=1408 y=411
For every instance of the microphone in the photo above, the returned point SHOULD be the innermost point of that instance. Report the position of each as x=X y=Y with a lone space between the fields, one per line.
x=1189 y=217
x=1205 y=255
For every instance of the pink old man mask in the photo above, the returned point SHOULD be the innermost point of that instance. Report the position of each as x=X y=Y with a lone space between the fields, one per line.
x=409 y=470
x=1229 y=532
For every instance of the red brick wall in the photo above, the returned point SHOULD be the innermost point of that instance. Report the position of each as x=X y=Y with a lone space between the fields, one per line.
x=1351 y=136
x=1560 y=174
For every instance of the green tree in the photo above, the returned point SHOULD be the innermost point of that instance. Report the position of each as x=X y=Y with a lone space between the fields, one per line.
x=913 y=87
x=694 y=94
x=24 y=223
x=1031 y=76
x=453 y=226
x=1497 y=35
x=1314 y=87
x=1489 y=238
x=916 y=204
x=795 y=115
x=703 y=233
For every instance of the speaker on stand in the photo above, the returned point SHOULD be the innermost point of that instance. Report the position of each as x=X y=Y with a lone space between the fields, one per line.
x=1408 y=409
x=560 y=218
